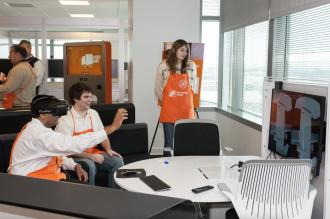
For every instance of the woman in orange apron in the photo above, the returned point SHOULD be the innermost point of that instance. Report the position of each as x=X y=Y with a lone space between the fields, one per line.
x=173 y=87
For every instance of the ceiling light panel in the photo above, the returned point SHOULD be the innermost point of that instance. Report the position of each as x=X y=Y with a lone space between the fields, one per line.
x=82 y=15
x=19 y=5
x=63 y=2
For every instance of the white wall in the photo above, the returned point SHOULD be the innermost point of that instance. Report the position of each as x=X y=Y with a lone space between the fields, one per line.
x=155 y=22
x=243 y=139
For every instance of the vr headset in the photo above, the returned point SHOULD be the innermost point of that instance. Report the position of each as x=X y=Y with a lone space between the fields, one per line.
x=58 y=108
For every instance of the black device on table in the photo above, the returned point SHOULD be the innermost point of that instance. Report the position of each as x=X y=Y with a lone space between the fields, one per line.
x=201 y=189
x=130 y=172
x=155 y=183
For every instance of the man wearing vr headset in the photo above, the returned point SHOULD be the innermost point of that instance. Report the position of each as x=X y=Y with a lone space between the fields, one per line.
x=82 y=119
x=40 y=152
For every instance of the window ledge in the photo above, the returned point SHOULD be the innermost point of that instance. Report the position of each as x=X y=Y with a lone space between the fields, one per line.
x=244 y=118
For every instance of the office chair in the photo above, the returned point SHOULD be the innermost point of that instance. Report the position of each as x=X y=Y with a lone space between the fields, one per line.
x=273 y=189
x=196 y=137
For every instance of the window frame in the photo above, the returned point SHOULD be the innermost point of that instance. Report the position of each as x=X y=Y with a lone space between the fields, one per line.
x=235 y=74
x=219 y=20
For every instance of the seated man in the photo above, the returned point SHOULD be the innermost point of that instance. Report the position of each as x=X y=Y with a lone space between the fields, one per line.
x=82 y=119
x=40 y=152
x=18 y=88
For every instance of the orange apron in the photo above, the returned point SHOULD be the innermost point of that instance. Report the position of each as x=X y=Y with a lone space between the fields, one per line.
x=177 y=99
x=9 y=98
x=52 y=171
x=92 y=150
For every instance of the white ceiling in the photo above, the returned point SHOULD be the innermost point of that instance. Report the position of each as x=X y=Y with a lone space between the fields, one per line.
x=53 y=9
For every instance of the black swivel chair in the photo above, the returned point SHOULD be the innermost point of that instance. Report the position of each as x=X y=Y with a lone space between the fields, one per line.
x=196 y=137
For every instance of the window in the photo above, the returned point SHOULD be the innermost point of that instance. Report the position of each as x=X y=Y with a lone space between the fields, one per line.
x=4 y=48
x=210 y=38
x=244 y=69
x=211 y=8
x=58 y=46
x=302 y=45
x=255 y=67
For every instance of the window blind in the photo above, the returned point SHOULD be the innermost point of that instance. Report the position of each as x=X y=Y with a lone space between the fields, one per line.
x=255 y=67
x=211 y=8
x=240 y=13
x=280 y=8
x=244 y=68
x=307 y=49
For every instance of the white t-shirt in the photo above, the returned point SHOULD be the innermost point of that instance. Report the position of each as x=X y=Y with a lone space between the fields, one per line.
x=37 y=145
x=81 y=123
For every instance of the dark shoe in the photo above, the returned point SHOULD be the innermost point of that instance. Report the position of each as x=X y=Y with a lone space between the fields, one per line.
x=231 y=214
x=167 y=154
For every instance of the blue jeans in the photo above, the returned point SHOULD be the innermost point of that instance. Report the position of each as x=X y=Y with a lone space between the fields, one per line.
x=168 y=135
x=109 y=165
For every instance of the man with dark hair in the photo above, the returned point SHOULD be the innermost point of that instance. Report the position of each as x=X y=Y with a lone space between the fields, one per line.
x=18 y=88
x=40 y=152
x=82 y=119
x=35 y=63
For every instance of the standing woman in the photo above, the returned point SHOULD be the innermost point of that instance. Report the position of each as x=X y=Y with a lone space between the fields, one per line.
x=174 y=87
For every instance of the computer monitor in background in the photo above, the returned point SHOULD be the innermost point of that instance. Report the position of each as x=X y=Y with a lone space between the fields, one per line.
x=5 y=65
x=55 y=68
x=115 y=68
x=296 y=126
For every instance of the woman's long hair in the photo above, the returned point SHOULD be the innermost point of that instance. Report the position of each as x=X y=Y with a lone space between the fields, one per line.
x=172 y=59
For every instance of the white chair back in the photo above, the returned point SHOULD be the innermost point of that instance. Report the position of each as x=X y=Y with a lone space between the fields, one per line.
x=274 y=189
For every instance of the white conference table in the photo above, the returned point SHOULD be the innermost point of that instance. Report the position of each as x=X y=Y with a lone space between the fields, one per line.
x=184 y=173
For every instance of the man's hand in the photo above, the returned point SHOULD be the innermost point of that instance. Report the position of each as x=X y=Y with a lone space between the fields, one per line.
x=96 y=158
x=121 y=115
x=81 y=173
x=3 y=77
x=114 y=153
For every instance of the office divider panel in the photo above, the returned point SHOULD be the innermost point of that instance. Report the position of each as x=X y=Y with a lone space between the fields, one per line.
x=83 y=200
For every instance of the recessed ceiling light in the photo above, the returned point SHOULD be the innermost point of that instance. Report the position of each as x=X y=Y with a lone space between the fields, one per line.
x=19 y=5
x=64 y=2
x=82 y=15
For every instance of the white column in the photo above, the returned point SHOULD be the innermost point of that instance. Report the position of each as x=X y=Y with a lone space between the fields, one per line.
x=43 y=86
x=121 y=60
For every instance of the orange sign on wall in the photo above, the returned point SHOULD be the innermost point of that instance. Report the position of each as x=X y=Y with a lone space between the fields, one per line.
x=89 y=62
x=84 y=59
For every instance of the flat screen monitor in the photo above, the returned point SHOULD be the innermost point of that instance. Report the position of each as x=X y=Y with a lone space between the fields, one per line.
x=296 y=126
x=5 y=65
x=55 y=68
